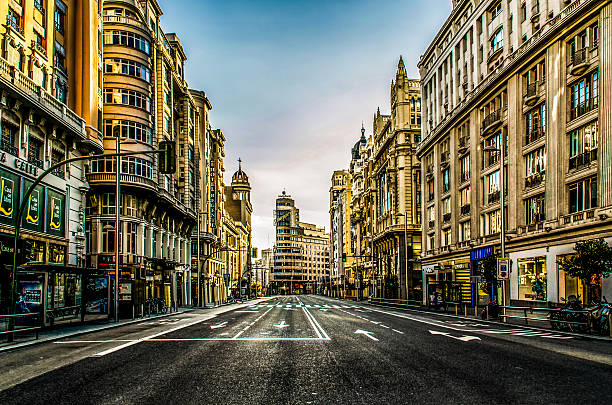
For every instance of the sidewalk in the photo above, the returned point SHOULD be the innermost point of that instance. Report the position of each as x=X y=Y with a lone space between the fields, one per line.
x=75 y=329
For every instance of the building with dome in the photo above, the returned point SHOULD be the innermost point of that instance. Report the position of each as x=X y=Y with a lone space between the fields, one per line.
x=236 y=232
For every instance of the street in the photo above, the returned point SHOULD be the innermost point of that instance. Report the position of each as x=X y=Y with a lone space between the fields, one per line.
x=310 y=350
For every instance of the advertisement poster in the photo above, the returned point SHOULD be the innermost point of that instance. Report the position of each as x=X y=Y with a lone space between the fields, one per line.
x=8 y=197
x=29 y=296
x=32 y=216
x=55 y=213
x=96 y=293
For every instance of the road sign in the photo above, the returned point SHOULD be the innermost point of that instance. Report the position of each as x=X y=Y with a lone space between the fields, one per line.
x=503 y=268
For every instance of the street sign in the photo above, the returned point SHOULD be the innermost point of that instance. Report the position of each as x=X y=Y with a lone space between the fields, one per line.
x=503 y=268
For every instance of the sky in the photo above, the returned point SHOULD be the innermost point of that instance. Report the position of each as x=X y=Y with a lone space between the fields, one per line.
x=291 y=82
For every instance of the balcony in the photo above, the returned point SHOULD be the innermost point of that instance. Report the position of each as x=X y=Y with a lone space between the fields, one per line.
x=491 y=120
x=532 y=94
x=579 y=61
x=535 y=13
x=39 y=48
x=464 y=144
x=126 y=179
x=432 y=224
x=34 y=161
x=578 y=217
x=583 y=108
x=119 y=19
x=429 y=171
x=8 y=147
x=493 y=197
x=535 y=179
x=430 y=197
x=465 y=209
x=444 y=157
x=465 y=176
x=534 y=135
x=446 y=217
x=14 y=24
x=583 y=159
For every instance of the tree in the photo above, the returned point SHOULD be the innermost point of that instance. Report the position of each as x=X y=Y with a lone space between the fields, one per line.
x=593 y=260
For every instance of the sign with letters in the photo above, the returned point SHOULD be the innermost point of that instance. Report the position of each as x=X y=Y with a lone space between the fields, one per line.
x=55 y=213
x=32 y=215
x=503 y=268
x=9 y=184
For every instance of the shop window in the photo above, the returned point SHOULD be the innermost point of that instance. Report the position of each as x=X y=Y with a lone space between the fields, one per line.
x=57 y=253
x=532 y=279
x=38 y=252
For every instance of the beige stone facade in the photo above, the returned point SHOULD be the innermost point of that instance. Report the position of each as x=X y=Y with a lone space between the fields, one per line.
x=525 y=74
x=342 y=259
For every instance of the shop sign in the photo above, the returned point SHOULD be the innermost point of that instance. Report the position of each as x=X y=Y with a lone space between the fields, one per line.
x=2 y=157
x=9 y=184
x=55 y=213
x=461 y=266
x=26 y=167
x=429 y=269
x=503 y=268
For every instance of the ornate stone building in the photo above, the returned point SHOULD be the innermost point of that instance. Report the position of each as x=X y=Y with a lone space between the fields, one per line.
x=343 y=276
x=522 y=77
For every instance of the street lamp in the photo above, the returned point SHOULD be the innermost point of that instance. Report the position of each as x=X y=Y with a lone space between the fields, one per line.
x=502 y=199
x=405 y=215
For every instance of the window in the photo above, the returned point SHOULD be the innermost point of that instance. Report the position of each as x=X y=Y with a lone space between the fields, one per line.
x=129 y=39
x=523 y=12
x=60 y=16
x=583 y=195
x=497 y=42
x=35 y=147
x=59 y=57
x=384 y=192
x=131 y=231
x=584 y=95
x=464 y=167
x=492 y=157
x=127 y=129
x=14 y=20
x=496 y=10
x=446 y=237
x=492 y=186
x=532 y=278
x=108 y=236
x=431 y=242
x=8 y=139
x=464 y=196
x=465 y=230
x=583 y=145
x=445 y=180
x=535 y=210
x=535 y=123
x=108 y=204
x=127 y=97
x=56 y=157
x=493 y=222
x=130 y=204
x=127 y=67
x=38 y=4
x=61 y=90
x=535 y=162
x=431 y=213
x=595 y=33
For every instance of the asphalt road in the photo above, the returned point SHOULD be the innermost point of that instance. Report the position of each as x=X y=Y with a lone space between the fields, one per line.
x=310 y=350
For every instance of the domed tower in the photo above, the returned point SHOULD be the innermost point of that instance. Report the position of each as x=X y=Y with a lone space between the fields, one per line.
x=241 y=188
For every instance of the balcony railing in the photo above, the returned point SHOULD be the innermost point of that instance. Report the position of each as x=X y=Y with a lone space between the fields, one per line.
x=444 y=156
x=33 y=160
x=464 y=141
x=432 y=224
x=583 y=108
x=8 y=147
x=430 y=197
x=491 y=119
x=579 y=57
x=532 y=90
x=535 y=179
x=493 y=197
x=465 y=209
x=446 y=217
x=583 y=159
x=58 y=171
x=14 y=24
x=534 y=135
x=39 y=48
x=125 y=178
x=465 y=176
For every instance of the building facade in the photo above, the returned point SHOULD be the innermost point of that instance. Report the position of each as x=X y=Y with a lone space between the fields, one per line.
x=301 y=252
x=342 y=258
x=522 y=78
x=50 y=110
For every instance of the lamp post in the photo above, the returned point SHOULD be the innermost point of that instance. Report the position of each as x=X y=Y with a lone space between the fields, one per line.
x=405 y=215
x=502 y=198
x=117 y=226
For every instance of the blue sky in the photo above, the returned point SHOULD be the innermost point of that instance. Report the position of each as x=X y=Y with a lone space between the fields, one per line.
x=291 y=82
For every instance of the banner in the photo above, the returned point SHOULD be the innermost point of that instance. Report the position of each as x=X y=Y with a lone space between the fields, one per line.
x=55 y=213
x=9 y=189
x=32 y=216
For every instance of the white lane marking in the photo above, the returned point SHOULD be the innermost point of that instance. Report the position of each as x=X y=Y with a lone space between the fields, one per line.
x=306 y=313
x=322 y=309
x=65 y=342
x=398 y=331
x=247 y=312
x=325 y=335
x=282 y=324
x=366 y=333
x=245 y=329
x=307 y=305
x=128 y=344
x=232 y=339
x=384 y=326
x=220 y=325
x=462 y=338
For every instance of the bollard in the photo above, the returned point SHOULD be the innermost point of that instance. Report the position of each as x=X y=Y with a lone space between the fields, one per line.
x=465 y=310
x=525 y=312
x=133 y=310
x=487 y=312
x=610 y=323
x=142 y=310
x=456 y=310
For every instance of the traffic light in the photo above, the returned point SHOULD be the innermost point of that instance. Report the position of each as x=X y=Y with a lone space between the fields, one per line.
x=343 y=257
x=167 y=161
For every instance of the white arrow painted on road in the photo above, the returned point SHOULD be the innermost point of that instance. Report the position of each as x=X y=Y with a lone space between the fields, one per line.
x=221 y=325
x=282 y=324
x=368 y=334
x=462 y=338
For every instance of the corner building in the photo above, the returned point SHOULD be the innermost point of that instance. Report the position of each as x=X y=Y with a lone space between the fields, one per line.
x=146 y=100
x=525 y=74
x=50 y=110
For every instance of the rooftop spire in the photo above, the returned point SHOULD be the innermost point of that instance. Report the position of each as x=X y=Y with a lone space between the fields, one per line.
x=239 y=164
x=401 y=69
